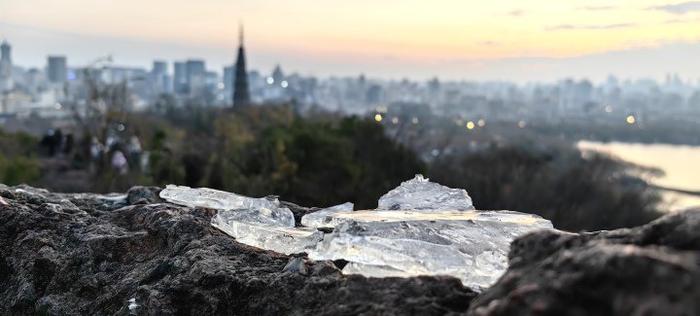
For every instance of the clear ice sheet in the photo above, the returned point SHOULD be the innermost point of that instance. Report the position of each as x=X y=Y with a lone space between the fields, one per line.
x=286 y=240
x=419 y=194
x=203 y=197
x=472 y=246
x=257 y=222
x=419 y=228
x=324 y=218
x=231 y=206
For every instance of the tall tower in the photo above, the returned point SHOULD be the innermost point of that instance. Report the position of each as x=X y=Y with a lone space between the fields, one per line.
x=5 y=50
x=241 y=94
x=179 y=77
x=57 y=70
x=5 y=66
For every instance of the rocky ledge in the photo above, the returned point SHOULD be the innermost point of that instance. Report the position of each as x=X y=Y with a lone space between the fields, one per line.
x=63 y=254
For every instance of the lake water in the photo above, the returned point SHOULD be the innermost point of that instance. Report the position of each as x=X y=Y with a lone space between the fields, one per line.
x=681 y=165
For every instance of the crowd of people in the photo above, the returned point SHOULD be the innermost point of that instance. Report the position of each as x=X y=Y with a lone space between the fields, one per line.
x=119 y=153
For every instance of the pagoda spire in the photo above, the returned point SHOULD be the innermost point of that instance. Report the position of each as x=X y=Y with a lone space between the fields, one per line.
x=241 y=93
x=240 y=34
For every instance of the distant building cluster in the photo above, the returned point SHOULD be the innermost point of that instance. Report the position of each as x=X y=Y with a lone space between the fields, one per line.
x=47 y=92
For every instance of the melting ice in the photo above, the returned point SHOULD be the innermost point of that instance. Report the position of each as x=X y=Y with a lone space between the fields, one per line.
x=421 y=194
x=419 y=228
x=325 y=217
x=258 y=222
x=470 y=245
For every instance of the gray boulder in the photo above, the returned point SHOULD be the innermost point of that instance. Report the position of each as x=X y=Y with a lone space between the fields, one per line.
x=648 y=270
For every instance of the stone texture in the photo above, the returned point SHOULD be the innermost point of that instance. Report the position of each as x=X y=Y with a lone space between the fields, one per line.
x=78 y=254
x=647 y=270
x=143 y=195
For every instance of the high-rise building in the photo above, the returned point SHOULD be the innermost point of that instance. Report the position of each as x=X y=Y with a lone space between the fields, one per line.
x=159 y=76
x=229 y=79
x=241 y=93
x=5 y=52
x=196 y=75
x=159 y=67
x=57 y=70
x=195 y=67
x=212 y=81
x=5 y=66
x=180 y=78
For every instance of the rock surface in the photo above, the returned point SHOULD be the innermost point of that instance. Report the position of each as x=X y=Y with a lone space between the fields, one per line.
x=78 y=254
x=648 y=270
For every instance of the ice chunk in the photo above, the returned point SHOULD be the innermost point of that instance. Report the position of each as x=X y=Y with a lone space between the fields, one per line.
x=335 y=219
x=270 y=229
x=280 y=216
x=420 y=228
x=470 y=245
x=373 y=271
x=257 y=222
x=286 y=240
x=263 y=211
x=202 y=197
x=216 y=199
x=420 y=194
x=323 y=218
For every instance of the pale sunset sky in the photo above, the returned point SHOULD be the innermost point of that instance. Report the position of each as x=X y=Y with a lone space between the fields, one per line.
x=451 y=39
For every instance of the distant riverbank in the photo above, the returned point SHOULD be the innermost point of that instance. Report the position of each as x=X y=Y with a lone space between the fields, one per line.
x=680 y=164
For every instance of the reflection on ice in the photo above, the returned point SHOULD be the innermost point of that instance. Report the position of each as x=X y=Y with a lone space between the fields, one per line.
x=258 y=222
x=472 y=245
x=286 y=240
x=419 y=228
x=402 y=216
x=323 y=218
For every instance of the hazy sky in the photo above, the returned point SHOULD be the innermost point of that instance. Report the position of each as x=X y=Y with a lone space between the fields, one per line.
x=499 y=39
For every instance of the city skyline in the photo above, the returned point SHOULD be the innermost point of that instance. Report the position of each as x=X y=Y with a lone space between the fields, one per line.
x=202 y=68
x=456 y=40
